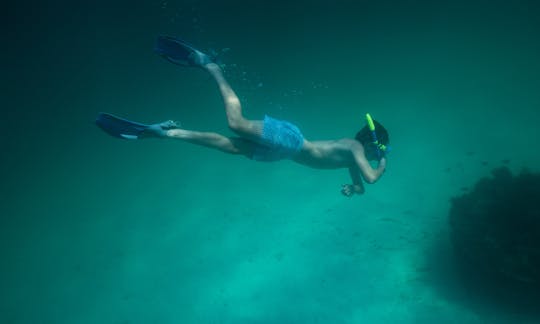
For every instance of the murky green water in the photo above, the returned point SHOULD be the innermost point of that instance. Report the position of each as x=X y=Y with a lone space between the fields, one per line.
x=99 y=230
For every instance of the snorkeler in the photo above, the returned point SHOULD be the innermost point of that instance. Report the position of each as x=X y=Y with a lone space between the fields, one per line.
x=261 y=140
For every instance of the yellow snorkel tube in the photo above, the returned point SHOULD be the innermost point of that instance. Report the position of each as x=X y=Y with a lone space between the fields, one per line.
x=381 y=148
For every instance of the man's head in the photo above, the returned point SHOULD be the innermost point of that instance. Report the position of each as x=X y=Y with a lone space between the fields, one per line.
x=365 y=137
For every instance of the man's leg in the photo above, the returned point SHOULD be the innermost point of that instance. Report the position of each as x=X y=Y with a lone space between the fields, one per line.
x=231 y=145
x=249 y=129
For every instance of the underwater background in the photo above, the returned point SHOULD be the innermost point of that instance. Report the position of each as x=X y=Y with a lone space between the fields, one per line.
x=94 y=229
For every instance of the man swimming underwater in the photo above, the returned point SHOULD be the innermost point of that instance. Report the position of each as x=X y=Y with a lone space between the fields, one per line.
x=261 y=140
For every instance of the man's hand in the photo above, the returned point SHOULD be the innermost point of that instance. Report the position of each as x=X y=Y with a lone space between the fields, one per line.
x=349 y=190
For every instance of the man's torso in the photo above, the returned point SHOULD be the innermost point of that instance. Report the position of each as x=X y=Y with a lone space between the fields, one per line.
x=327 y=154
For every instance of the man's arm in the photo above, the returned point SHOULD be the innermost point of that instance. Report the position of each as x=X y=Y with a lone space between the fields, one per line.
x=357 y=186
x=369 y=174
x=362 y=169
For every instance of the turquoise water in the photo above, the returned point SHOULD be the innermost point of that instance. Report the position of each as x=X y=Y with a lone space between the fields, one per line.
x=99 y=230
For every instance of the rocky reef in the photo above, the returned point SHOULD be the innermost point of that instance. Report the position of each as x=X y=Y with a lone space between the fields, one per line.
x=495 y=228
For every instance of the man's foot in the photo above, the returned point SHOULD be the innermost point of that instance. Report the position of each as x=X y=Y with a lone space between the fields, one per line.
x=159 y=129
x=200 y=59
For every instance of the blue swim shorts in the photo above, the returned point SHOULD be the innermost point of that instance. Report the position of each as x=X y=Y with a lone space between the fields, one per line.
x=279 y=140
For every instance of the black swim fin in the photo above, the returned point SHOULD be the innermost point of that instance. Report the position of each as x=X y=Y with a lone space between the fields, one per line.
x=127 y=129
x=180 y=52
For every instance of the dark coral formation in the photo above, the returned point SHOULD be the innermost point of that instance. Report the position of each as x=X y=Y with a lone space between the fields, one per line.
x=495 y=228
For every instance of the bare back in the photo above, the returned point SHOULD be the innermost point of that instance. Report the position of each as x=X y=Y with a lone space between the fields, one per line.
x=333 y=154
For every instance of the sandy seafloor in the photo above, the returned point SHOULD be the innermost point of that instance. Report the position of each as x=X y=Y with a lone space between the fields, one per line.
x=99 y=230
